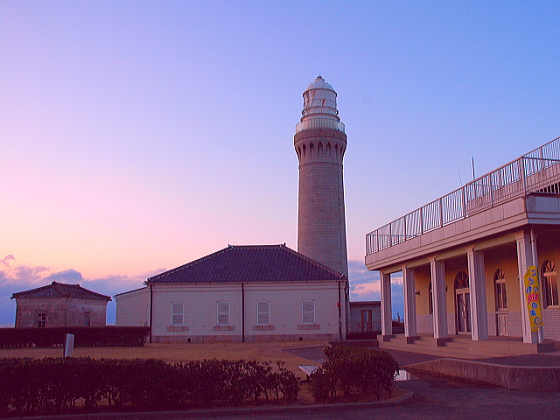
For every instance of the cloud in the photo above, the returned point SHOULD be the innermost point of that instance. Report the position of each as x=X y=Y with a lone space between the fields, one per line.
x=7 y=259
x=66 y=276
x=365 y=285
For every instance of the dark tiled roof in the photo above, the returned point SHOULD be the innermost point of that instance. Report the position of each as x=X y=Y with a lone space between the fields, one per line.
x=249 y=264
x=61 y=290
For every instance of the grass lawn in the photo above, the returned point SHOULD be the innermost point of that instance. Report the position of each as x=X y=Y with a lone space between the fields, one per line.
x=183 y=352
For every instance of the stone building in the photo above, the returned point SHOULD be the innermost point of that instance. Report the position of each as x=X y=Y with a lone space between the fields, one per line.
x=365 y=317
x=479 y=263
x=60 y=305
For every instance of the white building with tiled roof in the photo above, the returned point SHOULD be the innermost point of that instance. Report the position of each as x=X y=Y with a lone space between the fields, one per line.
x=241 y=294
x=60 y=305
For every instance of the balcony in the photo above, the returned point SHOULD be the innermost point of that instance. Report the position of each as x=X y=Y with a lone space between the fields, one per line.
x=537 y=172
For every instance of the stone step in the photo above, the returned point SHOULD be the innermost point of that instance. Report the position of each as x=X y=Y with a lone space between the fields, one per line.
x=434 y=350
x=463 y=347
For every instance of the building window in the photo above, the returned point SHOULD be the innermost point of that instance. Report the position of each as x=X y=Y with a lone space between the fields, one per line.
x=550 y=283
x=430 y=299
x=263 y=312
x=41 y=319
x=222 y=309
x=177 y=313
x=500 y=290
x=308 y=312
x=87 y=319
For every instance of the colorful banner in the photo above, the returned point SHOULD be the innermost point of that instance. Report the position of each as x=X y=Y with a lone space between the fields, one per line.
x=533 y=297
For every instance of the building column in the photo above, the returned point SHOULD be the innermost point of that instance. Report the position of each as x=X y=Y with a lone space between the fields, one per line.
x=525 y=259
x=477 y=284
x=437 y=274
x=409 y=286
x=386 y=310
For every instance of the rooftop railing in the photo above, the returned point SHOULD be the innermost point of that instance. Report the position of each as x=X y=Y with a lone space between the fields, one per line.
x=536 y=172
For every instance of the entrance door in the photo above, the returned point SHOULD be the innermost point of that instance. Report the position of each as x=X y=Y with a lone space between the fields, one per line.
x=367 y=322
x=463 y=310
x=462 y=303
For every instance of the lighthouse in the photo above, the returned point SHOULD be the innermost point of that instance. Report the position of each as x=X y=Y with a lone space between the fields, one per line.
x=320 y=143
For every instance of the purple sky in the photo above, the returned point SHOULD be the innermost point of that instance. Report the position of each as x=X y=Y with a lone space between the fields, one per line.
x=138 y=136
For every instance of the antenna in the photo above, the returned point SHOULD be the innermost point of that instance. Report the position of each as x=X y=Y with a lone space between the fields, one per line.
x=472 y=163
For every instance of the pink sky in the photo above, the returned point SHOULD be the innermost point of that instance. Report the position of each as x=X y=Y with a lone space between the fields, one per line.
x=138 y=136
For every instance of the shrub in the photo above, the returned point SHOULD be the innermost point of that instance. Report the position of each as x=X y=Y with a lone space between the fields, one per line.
x=85 y=336
x=56 y=385
x=354 y=372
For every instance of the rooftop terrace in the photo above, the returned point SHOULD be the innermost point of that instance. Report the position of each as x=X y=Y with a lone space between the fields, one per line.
x=537 y=172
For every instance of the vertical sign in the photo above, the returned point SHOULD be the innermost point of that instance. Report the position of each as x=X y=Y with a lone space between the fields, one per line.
x=533 y=297
x=68 y=345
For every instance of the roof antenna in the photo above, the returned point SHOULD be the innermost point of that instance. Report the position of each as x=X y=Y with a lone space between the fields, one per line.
x=472 y=163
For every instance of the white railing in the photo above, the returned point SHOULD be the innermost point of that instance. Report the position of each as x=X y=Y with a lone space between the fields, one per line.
x=536 y=172
x=320 y=123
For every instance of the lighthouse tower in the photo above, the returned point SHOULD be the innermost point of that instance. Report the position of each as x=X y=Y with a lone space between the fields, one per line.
x=320 y=143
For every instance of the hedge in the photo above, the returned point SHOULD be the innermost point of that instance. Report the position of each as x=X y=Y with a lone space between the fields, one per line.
x=61 y=385
x=84 y=336
x=354 y=372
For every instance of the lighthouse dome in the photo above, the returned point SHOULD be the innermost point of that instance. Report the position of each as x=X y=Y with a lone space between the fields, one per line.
x=319 y=107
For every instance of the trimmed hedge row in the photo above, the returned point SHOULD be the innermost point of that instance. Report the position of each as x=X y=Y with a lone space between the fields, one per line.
x=60 y=385
x=84 y=336
x=354 y=372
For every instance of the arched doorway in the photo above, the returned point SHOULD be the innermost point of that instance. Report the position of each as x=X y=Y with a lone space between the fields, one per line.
x=462 y=303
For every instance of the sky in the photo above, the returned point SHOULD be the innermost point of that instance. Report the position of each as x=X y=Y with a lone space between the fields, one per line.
x=137 y=136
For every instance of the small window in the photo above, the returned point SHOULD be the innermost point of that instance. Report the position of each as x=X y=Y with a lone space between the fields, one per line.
x=87 y=319
x=41 y=320
x=222 y=309
x=263 y=312
x=308 y=312
x=177 y=313
x=550 y=283
x=500 y=290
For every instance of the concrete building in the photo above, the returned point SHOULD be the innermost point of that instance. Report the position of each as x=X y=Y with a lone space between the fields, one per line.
x=241 y=294
x=480 y=262
x=320 y=143
x=60 y=305
x=365 y=317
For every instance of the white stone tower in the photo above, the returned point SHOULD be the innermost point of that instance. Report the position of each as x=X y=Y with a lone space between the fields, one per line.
x=320 y=143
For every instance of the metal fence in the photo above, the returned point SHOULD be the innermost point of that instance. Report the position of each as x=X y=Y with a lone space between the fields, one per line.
x=536 y=172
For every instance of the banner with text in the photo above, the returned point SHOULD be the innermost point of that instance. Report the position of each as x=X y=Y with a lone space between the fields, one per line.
x=533 y=297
